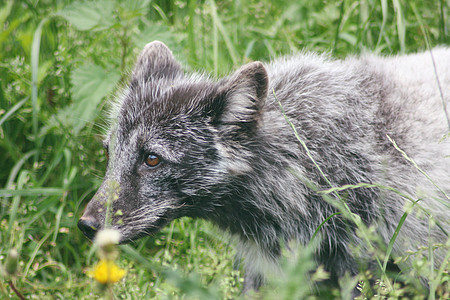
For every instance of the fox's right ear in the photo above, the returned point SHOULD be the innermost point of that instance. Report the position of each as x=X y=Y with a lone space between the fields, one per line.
x=156 y=61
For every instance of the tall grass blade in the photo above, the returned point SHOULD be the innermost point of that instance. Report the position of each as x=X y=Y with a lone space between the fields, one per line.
x=385 y=15
x=338 y=26
x=218 y=23
x=161 y=13
x=432 y=294
x=5 y=11
x=444 y=104
x=35 y=47
x=394 y=236
x=192 y=42
x=131 y=252
x=35 y=252
x=15 y=204
x=427 y=40
x=363 y=28
x=215 y=46
x=323 y=223
x=443 y=270
x=401 y=25
x=13 y=110
x=443 y=36
x=58 y=222
x=15 y=170
x=419 y=169
x=32 y=192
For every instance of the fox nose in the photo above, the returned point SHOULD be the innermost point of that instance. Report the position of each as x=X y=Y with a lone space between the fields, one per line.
x=89 y=226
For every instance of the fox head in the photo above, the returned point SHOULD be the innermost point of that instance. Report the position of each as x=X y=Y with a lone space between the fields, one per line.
x=178 y=145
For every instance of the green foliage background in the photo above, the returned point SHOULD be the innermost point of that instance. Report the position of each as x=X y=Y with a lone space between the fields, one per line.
x=60 y=61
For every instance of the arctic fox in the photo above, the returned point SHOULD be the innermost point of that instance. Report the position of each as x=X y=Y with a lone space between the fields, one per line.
x=226 y=151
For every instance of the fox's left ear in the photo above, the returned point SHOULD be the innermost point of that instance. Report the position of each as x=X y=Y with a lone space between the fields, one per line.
x=241 y=97
x=156 y=61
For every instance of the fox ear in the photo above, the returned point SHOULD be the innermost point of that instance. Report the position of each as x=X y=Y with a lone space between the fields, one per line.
x=156 y=60
x=242 y=96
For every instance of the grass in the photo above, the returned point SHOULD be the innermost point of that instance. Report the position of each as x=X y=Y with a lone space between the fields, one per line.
x=60 y=63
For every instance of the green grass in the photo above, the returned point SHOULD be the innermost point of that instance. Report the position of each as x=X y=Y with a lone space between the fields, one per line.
x=61 y=61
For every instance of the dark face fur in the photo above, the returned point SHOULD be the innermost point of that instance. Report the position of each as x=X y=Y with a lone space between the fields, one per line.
x=167 y=158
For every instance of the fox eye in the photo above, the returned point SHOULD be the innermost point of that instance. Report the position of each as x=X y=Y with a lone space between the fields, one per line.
x=152 y=160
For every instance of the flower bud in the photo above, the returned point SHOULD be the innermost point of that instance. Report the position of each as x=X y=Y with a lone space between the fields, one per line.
x=11 y=262
x=106 y=240
x=107 y=237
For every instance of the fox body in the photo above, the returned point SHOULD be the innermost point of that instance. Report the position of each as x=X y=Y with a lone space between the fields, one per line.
x=188 y=145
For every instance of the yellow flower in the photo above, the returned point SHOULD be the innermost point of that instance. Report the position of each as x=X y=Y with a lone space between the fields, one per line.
x=106 y=271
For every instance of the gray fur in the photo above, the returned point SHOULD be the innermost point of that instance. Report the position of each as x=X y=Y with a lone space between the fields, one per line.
x=229 y=156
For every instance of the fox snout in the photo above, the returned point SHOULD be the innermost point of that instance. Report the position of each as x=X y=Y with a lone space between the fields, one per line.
x=89 y=226
x=93 y=218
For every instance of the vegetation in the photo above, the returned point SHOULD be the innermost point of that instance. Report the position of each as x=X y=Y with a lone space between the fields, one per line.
x=61 y=60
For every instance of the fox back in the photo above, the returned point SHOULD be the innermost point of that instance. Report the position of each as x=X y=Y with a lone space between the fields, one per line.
x=226 y=151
